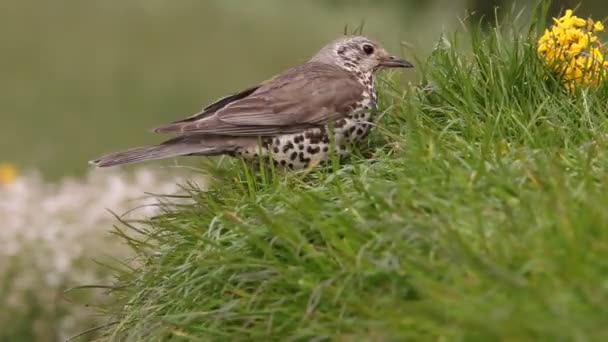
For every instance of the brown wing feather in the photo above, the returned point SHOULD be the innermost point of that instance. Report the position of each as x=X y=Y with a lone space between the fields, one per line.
x=213 y=107
x=221 y=103
x=305 y=96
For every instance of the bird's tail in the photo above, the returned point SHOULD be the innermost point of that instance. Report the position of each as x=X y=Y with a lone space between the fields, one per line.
x=179 y=146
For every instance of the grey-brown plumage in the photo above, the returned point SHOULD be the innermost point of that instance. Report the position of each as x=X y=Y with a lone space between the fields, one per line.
x=289 y=113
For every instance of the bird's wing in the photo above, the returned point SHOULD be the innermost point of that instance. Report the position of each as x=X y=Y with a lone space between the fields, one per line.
x=309 y=95
x=221 y=103
x=218 y=104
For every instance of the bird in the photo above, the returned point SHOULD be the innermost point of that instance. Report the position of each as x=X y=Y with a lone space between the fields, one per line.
x=289 y=118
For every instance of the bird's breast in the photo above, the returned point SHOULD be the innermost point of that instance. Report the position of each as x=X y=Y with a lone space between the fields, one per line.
x=313 y=146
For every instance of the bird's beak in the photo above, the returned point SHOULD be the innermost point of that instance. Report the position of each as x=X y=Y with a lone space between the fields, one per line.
x=395 y=62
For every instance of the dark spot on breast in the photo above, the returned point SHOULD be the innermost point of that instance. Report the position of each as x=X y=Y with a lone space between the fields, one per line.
x=298 y=139
x=340 y=123
x=343 y=147
x=314 y=136
x=287 y=147
x=300 y=147
x=255 y=155
x=313 y=150
x=359 y=131
x=283 y=162
x=303 y=159
x=275 y=149
x=352 y=129
x=293 y=156
x=277 y=141
x=290 y=165
x=325 y=148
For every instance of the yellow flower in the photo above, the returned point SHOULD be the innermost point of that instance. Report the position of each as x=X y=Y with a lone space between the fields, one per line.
x=572 y=49
x=598 y=27
x=8 y=173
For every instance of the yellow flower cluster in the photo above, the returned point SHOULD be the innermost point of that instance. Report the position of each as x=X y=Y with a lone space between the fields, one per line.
x=573 y=50
x=8 y=173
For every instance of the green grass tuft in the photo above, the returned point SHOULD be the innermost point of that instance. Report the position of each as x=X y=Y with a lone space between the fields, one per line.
x=478 y=212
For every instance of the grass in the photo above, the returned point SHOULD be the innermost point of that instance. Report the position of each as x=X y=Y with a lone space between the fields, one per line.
x=478 y=212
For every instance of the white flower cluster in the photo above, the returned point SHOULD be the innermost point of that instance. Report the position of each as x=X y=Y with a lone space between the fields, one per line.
x=51 y=235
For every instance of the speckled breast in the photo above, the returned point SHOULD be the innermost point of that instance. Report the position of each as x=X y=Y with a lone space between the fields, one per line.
x=312 y=147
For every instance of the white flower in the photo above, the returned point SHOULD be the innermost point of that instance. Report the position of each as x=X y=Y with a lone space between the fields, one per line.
x=52 y=233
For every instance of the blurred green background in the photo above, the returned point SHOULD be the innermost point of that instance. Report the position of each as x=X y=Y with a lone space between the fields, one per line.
x=82 y=78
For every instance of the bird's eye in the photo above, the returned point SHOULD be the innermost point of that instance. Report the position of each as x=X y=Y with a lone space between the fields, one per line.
x=368 y=49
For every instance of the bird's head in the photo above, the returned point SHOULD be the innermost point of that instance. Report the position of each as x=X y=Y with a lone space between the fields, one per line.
x=359 y=54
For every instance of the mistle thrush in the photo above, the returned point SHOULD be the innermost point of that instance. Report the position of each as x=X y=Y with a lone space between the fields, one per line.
x=288 y=117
